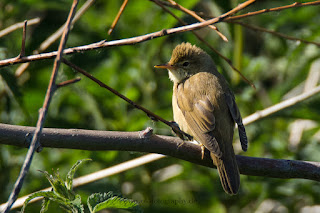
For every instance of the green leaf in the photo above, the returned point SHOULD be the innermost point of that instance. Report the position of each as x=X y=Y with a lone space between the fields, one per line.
x=45 y=205
x=50 y=195
x=69 y=178
x=76 y=204
x=97 y=198
x=58 y=185
x=99 y=201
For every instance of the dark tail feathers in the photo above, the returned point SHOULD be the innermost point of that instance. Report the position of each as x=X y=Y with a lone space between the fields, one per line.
x=228 y=172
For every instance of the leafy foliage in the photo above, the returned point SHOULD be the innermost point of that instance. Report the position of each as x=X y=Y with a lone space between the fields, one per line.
x=63 y=194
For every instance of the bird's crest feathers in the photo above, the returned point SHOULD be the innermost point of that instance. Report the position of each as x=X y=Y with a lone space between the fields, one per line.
x=186 y=51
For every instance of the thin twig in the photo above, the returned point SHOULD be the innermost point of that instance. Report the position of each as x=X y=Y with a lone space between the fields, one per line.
x=206 y=43
x=68 y=82
x=23 y=43
x=193 y=14
x=296 y=4
x=115 y=21
x=42 y=114
x=55 y=36
x=17 y=26
x=142 y=38
x=249 y=14
x=280 y=106
x=134 y=40
x=274 y=33
x=148 y=112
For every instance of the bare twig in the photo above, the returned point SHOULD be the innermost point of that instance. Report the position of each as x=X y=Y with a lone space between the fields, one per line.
x=280 y=106
x=42 y=113
x=23 y=43
x=193 y=14
x=134 y=40
x=55 y=36
x=249 y=14
x=139 y=39
x=115 y=21
x=68 y=82
x=206 y=43
x=296 y=4
x=17 y=26
x=274 y=33
x=148 y=112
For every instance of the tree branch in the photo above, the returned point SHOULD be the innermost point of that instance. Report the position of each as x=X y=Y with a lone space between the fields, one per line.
x=172 y=146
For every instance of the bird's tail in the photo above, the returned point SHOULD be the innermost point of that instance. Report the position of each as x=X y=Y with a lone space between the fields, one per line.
x=228 y=172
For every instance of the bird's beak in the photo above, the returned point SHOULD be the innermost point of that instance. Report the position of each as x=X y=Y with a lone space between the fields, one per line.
x=164 y=66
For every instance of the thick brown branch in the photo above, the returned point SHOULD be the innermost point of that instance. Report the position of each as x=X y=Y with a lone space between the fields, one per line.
x=171 y=146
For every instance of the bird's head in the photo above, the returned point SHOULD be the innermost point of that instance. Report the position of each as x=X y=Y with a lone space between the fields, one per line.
x=187 y=60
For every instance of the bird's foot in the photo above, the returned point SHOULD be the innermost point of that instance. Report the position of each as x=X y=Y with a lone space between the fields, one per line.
x=182 y=135
x=202 y=151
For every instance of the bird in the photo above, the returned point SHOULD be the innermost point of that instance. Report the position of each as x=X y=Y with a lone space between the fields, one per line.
x=204 y=107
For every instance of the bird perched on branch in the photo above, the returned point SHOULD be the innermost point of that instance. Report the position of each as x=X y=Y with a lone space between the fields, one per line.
x=204 y=107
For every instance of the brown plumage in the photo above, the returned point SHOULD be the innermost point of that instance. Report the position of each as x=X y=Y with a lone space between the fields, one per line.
x=204 y=107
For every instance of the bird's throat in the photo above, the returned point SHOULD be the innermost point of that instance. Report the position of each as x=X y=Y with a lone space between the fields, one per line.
x=176 y=76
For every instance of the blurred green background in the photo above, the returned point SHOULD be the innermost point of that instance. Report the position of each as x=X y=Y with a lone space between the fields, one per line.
x=278 y=67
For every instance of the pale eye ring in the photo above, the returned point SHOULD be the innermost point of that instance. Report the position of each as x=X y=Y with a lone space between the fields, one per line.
x=185 y=64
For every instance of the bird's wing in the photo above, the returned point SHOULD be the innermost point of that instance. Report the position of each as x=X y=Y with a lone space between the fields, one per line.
x=198 y=113
x=235 y=113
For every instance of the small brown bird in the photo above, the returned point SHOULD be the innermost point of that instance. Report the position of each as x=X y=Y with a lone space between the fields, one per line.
x=204 y=107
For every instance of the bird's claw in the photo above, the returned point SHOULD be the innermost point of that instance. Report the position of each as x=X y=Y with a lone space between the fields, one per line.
x=202 y=151
x=182 y=135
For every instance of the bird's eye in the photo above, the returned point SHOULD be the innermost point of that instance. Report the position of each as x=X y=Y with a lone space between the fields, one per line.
x=185 y=64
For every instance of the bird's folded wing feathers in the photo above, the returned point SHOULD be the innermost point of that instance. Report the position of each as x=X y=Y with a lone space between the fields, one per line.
x=235 y=113
x=198 y=113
